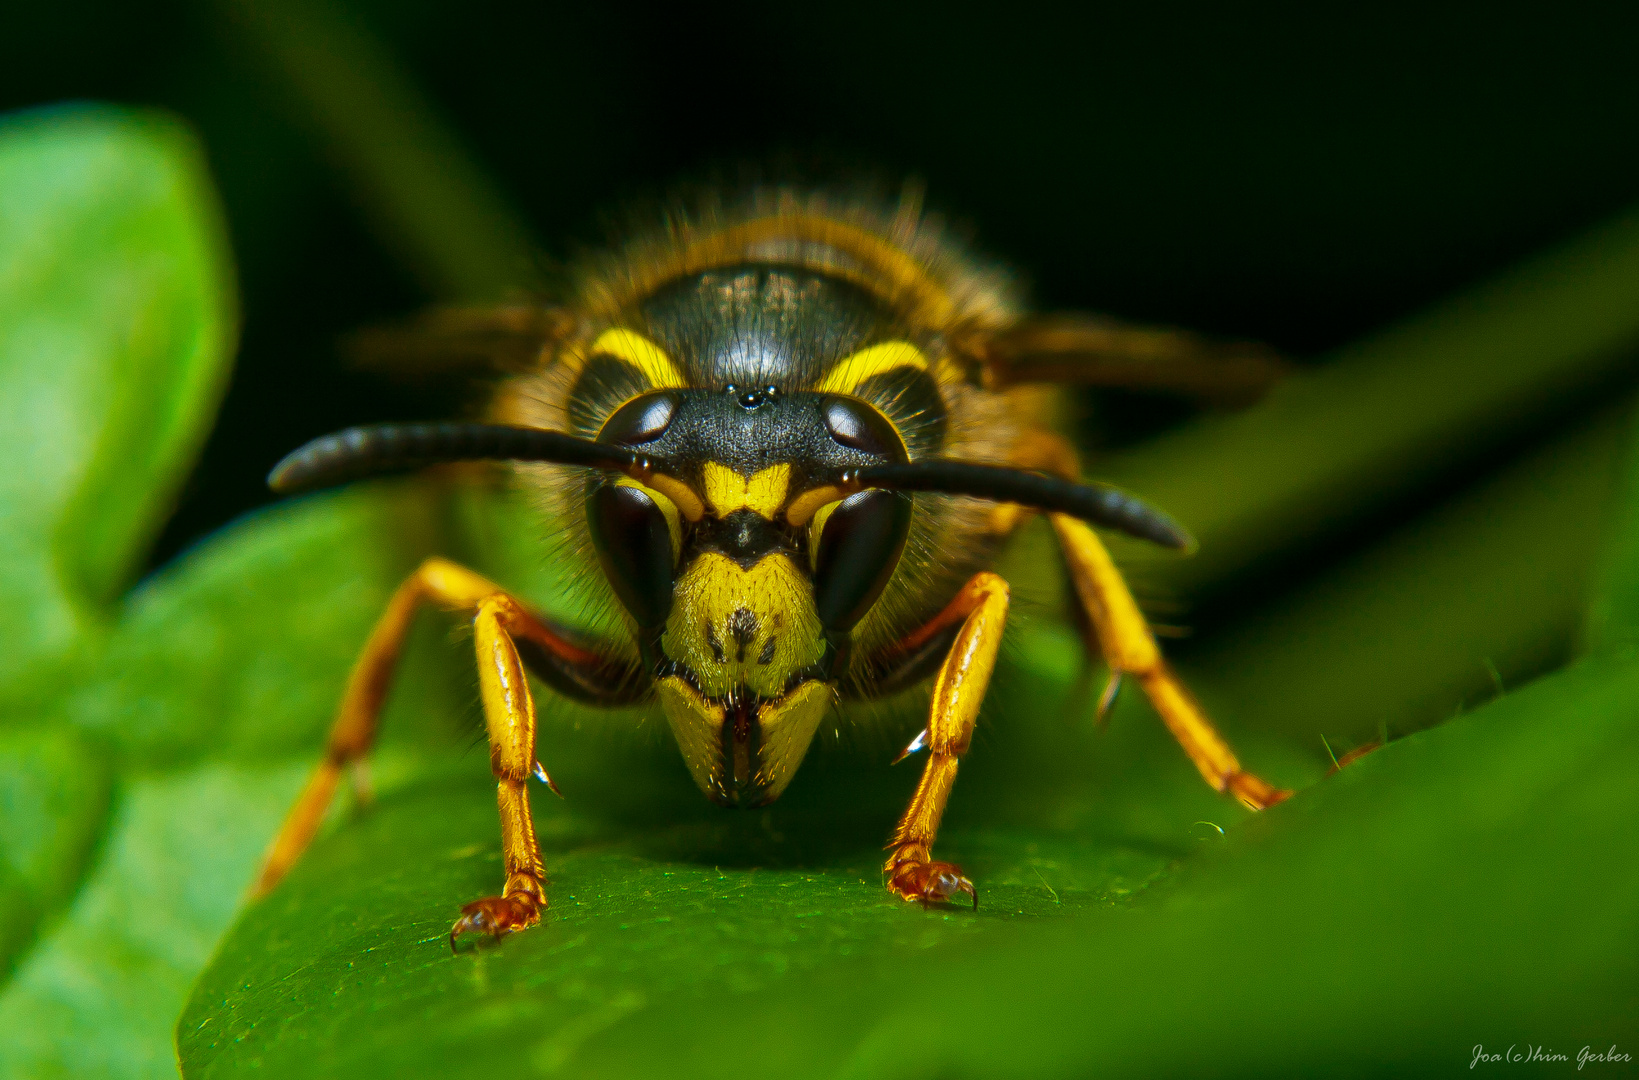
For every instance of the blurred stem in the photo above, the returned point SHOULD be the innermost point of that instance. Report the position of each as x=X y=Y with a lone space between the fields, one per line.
x=1392 y=413
x=1613 y=616
x=426 y=197
x=1444 y=614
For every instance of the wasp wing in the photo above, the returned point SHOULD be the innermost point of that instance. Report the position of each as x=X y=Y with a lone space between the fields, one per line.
x=1091 y=350
x=462 y=341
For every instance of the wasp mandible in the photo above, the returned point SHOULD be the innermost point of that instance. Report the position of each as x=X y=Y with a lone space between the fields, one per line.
x=794 y=432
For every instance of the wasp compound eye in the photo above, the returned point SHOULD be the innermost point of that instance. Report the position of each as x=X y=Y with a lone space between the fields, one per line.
x=859 y=547
x=858 y=426
x=634 y=547
x=641 y=420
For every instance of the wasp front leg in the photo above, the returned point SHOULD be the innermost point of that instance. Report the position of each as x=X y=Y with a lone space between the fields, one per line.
x=1130 y=649
x=509 y=714
x=981 y=608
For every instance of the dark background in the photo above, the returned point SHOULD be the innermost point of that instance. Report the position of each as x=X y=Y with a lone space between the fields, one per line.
x=1288 y=174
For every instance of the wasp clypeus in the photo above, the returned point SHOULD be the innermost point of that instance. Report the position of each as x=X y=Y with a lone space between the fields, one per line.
x=794 y=435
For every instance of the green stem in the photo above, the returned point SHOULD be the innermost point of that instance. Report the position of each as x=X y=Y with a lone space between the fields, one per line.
x=1613 y=617
x=424 y=194
x=1390 y=414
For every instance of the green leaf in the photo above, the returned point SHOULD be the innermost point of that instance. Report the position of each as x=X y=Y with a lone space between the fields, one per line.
x=1613 y=618
x=241 y=647
x=53 y=801
x=116 y=325
x=1477 y=884
x=198 y=702
x=96 y=997
x=1425 y=902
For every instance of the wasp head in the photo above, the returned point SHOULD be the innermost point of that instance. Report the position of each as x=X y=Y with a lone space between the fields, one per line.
x=744 y=612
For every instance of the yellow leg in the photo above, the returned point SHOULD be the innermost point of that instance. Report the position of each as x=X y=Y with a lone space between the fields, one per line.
x=1129 y=648
x=509 y=715
x=981 y=607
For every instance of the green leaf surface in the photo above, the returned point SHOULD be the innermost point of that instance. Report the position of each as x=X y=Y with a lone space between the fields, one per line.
x=53 y=803
x=1439 y=896
x=197 y=702
x=241 y=647
x=95 y=997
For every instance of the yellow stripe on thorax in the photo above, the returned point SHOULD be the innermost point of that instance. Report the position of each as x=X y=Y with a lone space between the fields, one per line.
x=867 y=363
x=763 y=492
x=825 y=244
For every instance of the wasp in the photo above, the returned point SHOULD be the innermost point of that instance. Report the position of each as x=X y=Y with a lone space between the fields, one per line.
x=793 y=432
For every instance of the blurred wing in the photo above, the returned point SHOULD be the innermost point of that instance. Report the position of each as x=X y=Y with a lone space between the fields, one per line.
x=1090 y=350
x=496 y=340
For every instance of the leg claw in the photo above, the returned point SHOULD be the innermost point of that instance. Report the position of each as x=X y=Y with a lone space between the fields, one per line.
x=914 y=876
x=496 y=916
x=1255 y=793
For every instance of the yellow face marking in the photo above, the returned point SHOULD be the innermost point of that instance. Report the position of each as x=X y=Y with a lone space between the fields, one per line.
x=698 y=725
x=762 y=492
x=787 y=727
x=668 y=510
x=850 y=372
x=680 y=494
x=752 y=628
x=642 y=354
x=806 y=505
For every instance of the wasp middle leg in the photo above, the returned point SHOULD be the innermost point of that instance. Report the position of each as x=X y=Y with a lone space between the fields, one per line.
x=1130 y=649
x=1109 y=617
x=958 y=691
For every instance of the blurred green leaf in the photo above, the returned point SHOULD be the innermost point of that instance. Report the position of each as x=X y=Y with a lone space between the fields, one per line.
x=197 y=703
x=53 y=803
x=97 y=995
x=117 y=320
x=241 y=647
x=1613 y=618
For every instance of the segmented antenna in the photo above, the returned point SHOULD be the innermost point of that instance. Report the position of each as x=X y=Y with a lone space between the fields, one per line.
x=359 y=452
x=1096 y=504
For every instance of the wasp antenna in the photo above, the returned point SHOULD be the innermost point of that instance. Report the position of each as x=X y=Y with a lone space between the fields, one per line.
x=1096 y=504
x=358 y=452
